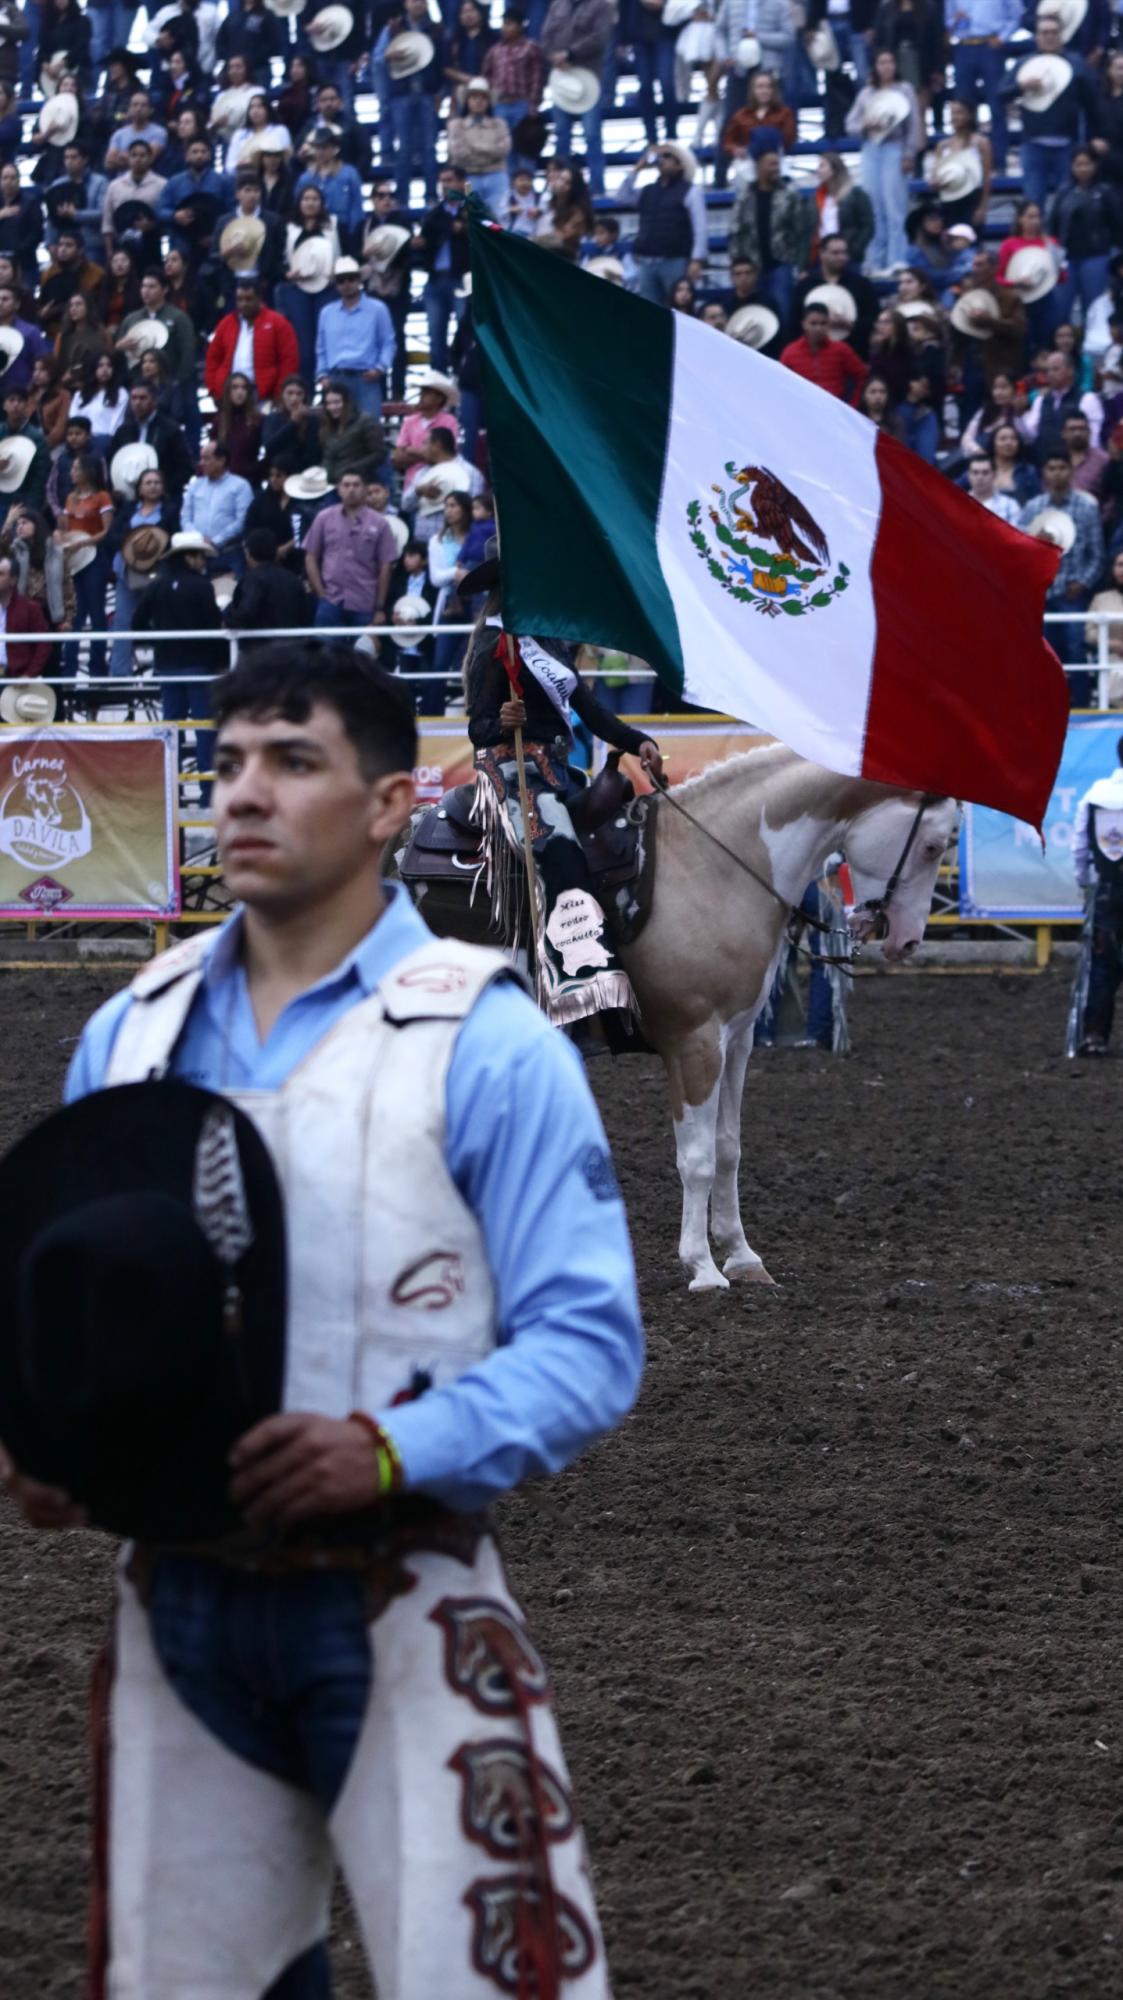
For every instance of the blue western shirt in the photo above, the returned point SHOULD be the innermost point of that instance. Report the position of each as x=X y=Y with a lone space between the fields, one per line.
x=354 y=338
x=525 y=1147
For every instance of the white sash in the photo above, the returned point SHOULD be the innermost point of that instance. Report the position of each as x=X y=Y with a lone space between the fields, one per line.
x=553 y=676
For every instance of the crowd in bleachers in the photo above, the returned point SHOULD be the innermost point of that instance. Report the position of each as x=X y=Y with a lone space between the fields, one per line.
x=235 y=301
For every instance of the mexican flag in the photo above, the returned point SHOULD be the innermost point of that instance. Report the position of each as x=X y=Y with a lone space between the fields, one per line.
x=663 y=489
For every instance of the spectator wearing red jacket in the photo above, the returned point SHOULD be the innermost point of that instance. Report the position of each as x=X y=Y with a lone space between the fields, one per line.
x=20 y=614
x=255 y=341
x=831 y=364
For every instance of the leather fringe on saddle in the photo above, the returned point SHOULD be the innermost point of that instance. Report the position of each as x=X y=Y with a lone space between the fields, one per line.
x=563 y=998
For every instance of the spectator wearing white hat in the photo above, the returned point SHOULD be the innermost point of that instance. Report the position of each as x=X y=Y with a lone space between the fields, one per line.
x=671 y=241
x=480 y=142
x=1082 y=560
x=355 y=340
x=577 y=34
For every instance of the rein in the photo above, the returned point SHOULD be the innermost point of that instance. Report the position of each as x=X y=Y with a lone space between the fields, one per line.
x=877 y=906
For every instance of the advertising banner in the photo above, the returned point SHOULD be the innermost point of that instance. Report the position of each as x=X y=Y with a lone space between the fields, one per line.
x=444 y=757
x=1003 y=873
x=88 y=822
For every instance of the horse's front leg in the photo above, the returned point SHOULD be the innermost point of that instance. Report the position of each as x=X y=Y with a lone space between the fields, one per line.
x=696 y=1152
x=740 y=1260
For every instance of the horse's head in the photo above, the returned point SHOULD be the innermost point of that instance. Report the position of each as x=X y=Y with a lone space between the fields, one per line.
x=875 y=842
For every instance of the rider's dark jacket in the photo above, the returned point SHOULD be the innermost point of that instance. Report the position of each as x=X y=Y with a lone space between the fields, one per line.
x=488 y=689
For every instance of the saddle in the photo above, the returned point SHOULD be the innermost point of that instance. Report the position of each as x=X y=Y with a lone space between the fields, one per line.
x=612 y=825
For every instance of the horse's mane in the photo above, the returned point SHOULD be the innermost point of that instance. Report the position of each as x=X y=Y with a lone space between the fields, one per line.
x=765 y=758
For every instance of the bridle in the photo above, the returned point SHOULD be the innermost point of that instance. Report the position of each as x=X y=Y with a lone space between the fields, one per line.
x=876 y=907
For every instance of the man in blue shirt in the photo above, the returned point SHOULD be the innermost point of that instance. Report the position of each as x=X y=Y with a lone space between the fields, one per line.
x=339 y=184
x=355 y=340
x=313 y=776
x=215 y=505
x=192 y=201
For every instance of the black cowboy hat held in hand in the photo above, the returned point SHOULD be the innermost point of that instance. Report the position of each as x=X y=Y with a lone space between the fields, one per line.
x=143 y=1232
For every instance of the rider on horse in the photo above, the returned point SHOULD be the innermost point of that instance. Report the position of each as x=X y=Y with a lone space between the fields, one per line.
x=578 y=973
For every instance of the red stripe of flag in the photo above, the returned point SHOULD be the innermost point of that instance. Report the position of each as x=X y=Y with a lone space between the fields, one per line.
x=966 y=698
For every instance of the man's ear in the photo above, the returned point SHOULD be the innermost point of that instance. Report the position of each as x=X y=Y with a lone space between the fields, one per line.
x=394 y=799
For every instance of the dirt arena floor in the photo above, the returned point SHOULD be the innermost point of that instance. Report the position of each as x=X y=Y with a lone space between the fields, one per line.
x=836 y=1618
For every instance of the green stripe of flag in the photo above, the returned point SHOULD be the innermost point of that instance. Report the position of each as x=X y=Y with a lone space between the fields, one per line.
x=577 y=387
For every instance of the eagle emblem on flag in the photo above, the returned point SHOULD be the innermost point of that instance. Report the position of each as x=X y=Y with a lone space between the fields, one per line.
x=767 y=549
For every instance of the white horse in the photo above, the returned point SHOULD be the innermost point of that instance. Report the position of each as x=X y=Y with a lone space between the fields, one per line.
x=703 y=967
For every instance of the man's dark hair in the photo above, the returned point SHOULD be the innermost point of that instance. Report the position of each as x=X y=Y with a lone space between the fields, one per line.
x=261 y=544
x=820 y=311
x=288 y=676
x=69 y=236
x=153 y=271
x=15 y=394
x=79 y=424
x=745 y=263
x=219 y=450
x=247 y=284
x=1056 y=458
x=444 y=440
x=833 y=236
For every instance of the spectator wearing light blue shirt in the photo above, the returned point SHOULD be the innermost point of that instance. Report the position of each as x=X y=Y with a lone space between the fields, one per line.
x=355 y=340
x=216 y=503
x=339 y=184
x=978 y=31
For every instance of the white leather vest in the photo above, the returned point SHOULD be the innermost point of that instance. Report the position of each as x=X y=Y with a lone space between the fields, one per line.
x=388 y=1275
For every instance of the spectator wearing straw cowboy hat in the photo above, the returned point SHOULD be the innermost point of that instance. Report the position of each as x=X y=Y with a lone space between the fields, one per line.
x=480 y=142
x=835 y=267
x=181 y=600
x=671 y=241
x=132 y=201
x=435 y=400
x=1070 y=520
x=410 y=56
x=355 y=340
x=387 y=252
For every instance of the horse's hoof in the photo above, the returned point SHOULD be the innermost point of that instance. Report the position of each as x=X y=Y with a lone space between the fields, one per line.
x=709 y=1281
x=747 y=1271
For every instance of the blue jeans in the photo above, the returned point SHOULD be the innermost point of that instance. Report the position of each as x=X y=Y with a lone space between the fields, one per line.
x=655 y=64
x=302 y=310
x=978 y=72
x=1045 y=169
x=111 y=23
x=89 y=595
x=493 y=190
x=440 y=302
x=591 y=123
x=327 y=613
x=777 y=289
x=883 y=178
x=190 y=701
x=471 y=411
x=1087 y=278
x=413 y=133
x=279 y=1669
x=512 y=116
x=366 y=396
x=656 y=278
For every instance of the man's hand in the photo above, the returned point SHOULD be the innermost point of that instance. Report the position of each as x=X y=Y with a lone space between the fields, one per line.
x=651 y=757
x=373 y=374
x=1074 y=591
x=512 y=715
x=296 y=1466
x=695 y=270
x=42 y=1506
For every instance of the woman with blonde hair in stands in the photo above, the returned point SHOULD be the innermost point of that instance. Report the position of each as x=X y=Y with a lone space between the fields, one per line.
x=765 y=106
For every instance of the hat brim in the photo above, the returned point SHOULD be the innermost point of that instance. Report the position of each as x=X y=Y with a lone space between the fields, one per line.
x=485 y=576
x=166 y=1481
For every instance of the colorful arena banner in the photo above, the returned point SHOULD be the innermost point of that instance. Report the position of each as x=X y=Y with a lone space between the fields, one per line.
x=88 y=822
x=1003 y=873
x=444 y=757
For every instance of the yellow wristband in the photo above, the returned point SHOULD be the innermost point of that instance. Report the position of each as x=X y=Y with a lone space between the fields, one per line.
x=389 y=1469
